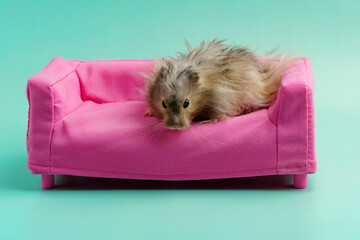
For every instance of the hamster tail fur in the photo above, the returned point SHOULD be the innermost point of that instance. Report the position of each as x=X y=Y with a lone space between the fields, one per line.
x=274 y=68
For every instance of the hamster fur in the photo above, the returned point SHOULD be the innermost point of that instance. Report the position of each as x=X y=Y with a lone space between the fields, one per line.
x=210 y=83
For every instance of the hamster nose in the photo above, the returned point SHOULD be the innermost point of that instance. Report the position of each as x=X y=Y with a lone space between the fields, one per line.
x=175 y=111
x=174 y=108
x=174 y=123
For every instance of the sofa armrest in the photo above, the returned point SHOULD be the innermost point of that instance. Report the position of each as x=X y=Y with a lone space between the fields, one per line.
x=52 y=94
x=293 y=114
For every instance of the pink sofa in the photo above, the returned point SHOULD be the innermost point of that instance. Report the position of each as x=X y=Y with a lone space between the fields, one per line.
x=86 y=119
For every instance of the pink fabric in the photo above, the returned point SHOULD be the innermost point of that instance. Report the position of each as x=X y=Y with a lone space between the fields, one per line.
x=86 y=118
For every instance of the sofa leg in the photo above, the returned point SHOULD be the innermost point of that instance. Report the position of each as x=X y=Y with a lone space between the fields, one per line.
x=300 y=181
x=47 y=181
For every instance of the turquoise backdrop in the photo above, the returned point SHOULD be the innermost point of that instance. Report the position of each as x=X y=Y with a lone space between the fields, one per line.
x=327 y=32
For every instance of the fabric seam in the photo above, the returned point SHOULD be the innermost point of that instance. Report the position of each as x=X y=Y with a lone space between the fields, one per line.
x=307 y=118
x=52 y=126
x=117 y=60
x=53 y=113
x=69 y=113
x=308 y=115
x=61 y=79
x=28 y=123
x=277 y=132
x=246 y=171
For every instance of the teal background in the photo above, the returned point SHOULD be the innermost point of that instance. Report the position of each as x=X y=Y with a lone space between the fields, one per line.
x=33 y=32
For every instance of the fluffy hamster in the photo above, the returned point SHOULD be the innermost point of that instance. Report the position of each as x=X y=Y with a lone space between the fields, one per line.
x=212 y=82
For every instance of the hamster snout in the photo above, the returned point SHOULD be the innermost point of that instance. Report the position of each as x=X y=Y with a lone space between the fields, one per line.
x=174 y=123
x=174 y=118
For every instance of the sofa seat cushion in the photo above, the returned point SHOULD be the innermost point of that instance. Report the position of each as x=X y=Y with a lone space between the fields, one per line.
x=116 y=140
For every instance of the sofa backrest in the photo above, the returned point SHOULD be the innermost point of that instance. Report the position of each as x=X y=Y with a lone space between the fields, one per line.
x=113 y=80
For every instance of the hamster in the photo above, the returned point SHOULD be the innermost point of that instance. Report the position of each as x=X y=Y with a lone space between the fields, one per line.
x=212 y=82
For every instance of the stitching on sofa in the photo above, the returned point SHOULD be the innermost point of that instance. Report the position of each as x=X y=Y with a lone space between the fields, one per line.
x=308 y=115
x=28 y=123
x=76 y=106
x=52 y=126
x=62 y=78
x=306 y=87
x=271 y=120
x=53 y=112
x=120 y=60
x=307 y=119
x=68 y=113
x=246 y=171
x=277 y=128
x=277 y=149
x=80 y=83
x=277 y=133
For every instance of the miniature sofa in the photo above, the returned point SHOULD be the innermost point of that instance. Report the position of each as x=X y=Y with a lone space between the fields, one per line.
x=86 y=119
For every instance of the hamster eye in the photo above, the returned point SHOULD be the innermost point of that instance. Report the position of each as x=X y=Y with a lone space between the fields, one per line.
x=186 y=103
x=164 y=104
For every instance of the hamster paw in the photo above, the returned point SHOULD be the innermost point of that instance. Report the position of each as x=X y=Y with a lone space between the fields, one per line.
x=148 y=113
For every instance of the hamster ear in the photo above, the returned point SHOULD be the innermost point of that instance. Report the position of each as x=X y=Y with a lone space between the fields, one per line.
x=161 y=73
x=194 y=76
x=160 y=70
